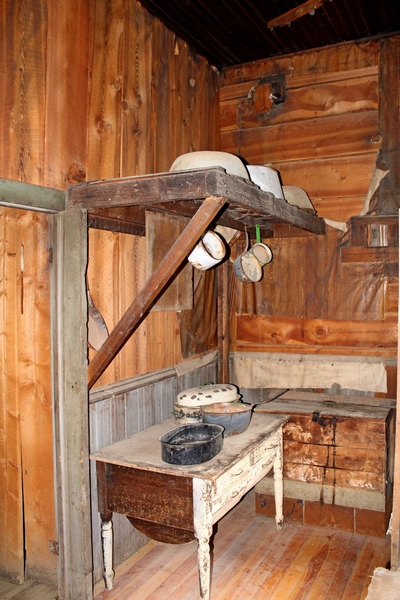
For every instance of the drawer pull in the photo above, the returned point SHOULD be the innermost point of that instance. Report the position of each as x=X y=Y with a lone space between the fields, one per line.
x=238 y=473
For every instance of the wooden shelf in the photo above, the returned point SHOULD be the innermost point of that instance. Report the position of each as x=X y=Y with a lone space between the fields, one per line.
x=118 y=202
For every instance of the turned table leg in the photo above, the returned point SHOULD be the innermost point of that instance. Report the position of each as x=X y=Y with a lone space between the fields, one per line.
x=203 y=531
x=107 y=547
x=278 y=486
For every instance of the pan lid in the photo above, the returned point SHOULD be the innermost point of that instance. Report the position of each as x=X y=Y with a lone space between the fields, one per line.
x=209 y=393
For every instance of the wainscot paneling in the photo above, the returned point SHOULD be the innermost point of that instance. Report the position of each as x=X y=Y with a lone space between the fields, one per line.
x=117 y=412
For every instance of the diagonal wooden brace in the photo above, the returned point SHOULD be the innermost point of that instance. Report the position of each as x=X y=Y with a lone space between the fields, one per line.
x=158 y=280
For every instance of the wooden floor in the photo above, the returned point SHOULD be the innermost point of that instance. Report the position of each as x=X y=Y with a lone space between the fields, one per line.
x=29 y=590
x=251 y=560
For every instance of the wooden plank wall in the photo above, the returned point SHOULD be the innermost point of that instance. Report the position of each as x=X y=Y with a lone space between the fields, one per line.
x=42 y=136
x=152 y=98
x=117 y=415
x=326 y=138
x=90 y=90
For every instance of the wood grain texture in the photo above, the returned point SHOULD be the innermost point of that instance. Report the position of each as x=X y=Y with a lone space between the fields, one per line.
x=36 y=403
x=313 y=101
x=388 y=197
x=316 y=332
x=252 y=561
x=309 y=139
x=65 y=128
x=148 y=92
x=323 y=62
x=324 y=137
x=11 y=513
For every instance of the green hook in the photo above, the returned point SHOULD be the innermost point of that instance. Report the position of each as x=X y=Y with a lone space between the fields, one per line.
x=258 y=234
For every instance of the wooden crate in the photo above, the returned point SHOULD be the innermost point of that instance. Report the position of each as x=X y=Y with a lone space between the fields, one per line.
x=338 y=462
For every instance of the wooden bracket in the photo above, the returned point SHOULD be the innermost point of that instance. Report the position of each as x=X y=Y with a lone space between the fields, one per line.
x=158 y=280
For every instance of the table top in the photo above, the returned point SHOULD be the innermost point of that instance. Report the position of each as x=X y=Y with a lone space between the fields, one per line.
x=143 y=450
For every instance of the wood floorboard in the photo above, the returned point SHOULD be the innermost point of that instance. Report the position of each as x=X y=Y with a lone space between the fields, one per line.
x=252 y=561
x=28 y=590
x=325 y=576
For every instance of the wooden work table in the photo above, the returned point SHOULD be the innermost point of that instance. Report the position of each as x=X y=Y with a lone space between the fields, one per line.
x=177 y=504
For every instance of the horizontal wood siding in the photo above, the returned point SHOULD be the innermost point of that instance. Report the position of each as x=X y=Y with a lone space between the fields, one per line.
x=117 y=416
x=325 y=294
x=324 y=137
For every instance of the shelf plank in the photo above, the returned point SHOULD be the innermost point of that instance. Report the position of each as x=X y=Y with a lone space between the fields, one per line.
x=247 y=205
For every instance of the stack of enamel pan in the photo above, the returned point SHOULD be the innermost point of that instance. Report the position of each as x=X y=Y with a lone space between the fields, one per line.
x=189 y=403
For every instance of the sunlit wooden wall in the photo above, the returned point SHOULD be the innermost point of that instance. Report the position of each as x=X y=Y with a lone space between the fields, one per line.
x=90 y=90
x=326 y=137
x=151 y=99
x=43 y=74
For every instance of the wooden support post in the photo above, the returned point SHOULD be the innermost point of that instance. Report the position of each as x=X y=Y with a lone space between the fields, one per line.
x=223 y=322
x=158 y=280
x=71 y=412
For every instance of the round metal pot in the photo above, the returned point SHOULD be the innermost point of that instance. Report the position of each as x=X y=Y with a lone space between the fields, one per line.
x=191 y=444
x=233 y=417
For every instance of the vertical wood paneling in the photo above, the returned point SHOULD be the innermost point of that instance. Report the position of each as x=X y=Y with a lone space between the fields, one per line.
x=53 y=132
x=65 y=132
x=23 y=31
x=137 y=120
x=166 y=104
x=11 y=511
x=105 y=67
x=389 y=192
x=43 y=73
x=34 y=374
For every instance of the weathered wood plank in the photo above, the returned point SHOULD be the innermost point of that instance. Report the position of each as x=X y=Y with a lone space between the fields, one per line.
x=370 y=255
x=314 y=101
x=244 y=198
x=104 y=109
x=26 y=195
x=11 y=504
x=35 y=397
x=230 y=91
x=66 y=63
x=311 y=64
x=315 y=332
x=69 y=339
x=310 y=138
x=388 y=195
x=161 y=233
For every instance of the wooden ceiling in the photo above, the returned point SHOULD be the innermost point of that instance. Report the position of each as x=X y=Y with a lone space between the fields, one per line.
x=230 y=32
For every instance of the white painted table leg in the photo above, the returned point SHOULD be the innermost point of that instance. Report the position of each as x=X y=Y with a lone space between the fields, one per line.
x=107 y=545
x=203 y=531
x=278 y=486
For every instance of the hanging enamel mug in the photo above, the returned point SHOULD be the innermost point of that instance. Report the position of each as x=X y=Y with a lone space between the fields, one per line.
x=208 y=252
x=246 y=266
x=260 y=250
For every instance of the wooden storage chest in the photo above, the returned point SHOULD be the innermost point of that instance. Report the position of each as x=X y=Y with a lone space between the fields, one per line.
x=338 y=462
